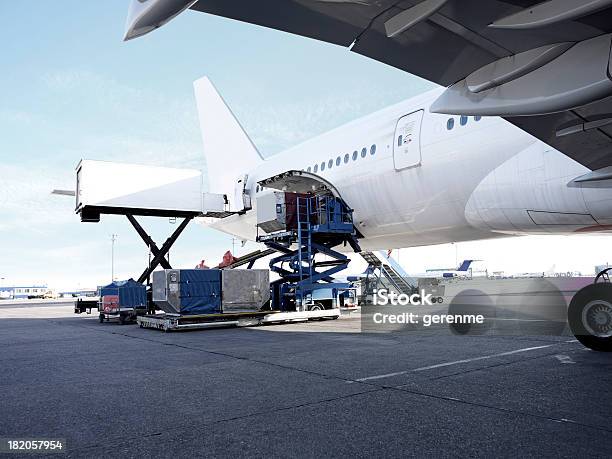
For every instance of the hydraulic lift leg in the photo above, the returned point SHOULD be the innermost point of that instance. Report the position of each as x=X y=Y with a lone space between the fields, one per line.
x=148 y=241
x=160 y=256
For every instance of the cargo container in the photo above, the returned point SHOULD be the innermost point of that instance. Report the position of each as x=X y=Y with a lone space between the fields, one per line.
x=278 y=211
x=210 y=291
x=122 y=300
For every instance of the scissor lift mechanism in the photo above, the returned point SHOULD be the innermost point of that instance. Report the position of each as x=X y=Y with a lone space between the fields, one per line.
x=323 y=222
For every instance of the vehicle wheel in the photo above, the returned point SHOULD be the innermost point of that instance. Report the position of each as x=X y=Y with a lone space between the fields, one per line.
x=590 y=316
x=101 y=317
x=549 y=310
x=122 y=319
x=472 y=302
x=316 y=307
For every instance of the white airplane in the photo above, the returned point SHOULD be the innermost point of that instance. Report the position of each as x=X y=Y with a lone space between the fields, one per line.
x=443 y=167
x=412 y=177
x=460 y=271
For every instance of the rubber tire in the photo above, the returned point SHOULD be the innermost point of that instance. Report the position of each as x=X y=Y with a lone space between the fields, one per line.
x=574 y=315
x=101 y=318
x=472 y=302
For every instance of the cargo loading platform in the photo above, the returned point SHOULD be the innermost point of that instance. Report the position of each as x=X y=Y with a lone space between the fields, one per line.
x=208 y=298
x=173 y=322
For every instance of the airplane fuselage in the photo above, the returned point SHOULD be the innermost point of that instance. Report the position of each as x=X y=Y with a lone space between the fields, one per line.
x=417 y=178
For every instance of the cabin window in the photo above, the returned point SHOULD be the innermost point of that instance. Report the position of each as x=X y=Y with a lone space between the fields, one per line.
x=364 y=152
x=330 y=163
x=346 y=158
x=257 y=189
x=463 y=120
x=309 y=169
x=316 y=168
x=399 y=141
x=477 y=118
x=338 y=161
x=322 y=166
x=450 y=124
x=373 y=150
x=355 y=154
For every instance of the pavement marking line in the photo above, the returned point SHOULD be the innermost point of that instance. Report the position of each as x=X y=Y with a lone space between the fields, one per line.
x=562 y=358
x=456 y=362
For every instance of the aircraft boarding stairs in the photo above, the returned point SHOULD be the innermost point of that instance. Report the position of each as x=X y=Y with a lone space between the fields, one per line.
x=385 y=272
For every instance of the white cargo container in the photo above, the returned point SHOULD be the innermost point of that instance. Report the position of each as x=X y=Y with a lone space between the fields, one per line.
x=110 y=187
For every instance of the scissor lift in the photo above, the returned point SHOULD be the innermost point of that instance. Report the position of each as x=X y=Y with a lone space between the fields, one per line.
x=323 y=223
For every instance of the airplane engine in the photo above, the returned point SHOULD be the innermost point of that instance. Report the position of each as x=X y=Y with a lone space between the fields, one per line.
x=534 y=192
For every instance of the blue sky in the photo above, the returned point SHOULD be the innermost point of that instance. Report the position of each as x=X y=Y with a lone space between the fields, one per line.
x=72 y=89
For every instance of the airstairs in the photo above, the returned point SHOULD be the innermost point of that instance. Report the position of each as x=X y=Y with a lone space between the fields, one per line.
x=384 y=272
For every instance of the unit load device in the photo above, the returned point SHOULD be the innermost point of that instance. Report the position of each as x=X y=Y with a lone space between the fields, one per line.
x=211 y=291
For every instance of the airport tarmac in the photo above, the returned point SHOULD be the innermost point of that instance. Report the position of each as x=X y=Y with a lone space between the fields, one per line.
x=315 y=389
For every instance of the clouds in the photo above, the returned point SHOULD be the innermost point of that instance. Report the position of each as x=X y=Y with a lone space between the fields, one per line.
x=15 y=116
x=26 y=199
x=71 y=79
x=277 y=122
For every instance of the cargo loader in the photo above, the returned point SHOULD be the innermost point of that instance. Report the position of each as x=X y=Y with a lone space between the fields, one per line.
x=299 y=227
x=301 y=219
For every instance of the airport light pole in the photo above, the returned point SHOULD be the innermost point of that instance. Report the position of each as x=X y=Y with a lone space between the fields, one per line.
x=113 y=239
x=242 y=244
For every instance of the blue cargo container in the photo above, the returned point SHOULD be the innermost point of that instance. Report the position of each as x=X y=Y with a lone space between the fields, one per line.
x=188 y=291
x=131 y=294
x=122 y=300
x=200 y=291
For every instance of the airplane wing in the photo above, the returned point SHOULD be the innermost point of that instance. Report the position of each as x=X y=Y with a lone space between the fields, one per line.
x=543 y=66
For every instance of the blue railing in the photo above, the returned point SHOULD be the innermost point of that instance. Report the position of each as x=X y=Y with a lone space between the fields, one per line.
x=325 y=214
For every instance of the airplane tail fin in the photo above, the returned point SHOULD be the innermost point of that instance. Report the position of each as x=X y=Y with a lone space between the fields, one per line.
x=465 y=265
x=228 y=149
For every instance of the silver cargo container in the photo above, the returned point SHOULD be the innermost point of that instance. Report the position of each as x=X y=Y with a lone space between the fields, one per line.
x=271 y=212
x=244 y=289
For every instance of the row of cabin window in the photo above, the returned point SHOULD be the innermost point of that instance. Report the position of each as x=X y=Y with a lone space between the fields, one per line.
x=330 y=163
x=463 y=120
x=347 y=158
x=27 y=290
